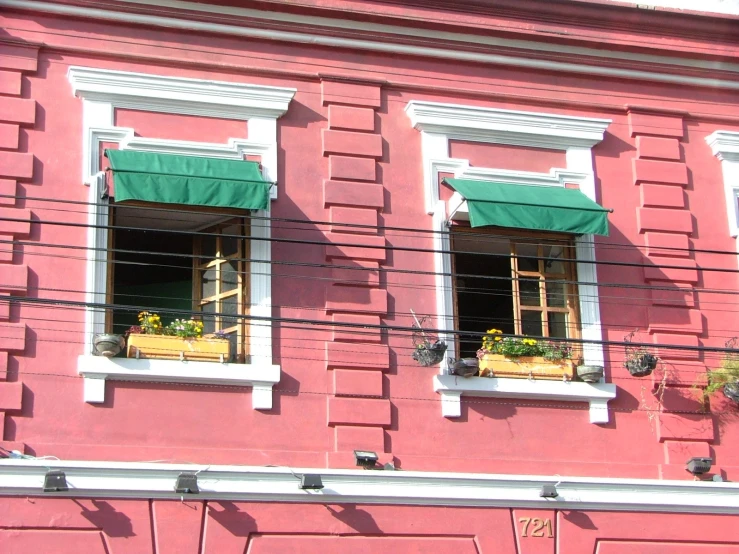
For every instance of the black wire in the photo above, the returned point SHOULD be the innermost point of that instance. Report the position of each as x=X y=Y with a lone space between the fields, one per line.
x=366 y=247
x=332 y=324
x=484 y=236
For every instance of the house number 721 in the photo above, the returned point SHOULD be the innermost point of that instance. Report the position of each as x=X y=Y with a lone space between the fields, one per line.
x=538 y=526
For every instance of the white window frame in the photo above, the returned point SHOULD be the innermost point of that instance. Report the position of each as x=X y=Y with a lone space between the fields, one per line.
x=439 y=123
x=725 y=146
x=102 y=91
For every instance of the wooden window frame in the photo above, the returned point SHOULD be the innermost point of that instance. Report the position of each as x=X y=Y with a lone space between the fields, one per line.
x=241 y=291
x=243 y=274
x=572 y=308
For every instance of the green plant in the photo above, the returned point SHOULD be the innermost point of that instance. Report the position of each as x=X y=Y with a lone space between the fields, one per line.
x=151 y=324
x=512 y=347
x=727 y=374
x=186 y=328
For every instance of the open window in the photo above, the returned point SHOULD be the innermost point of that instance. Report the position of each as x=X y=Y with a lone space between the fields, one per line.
x=180 y=264
x=180 y=250
x=520 y=284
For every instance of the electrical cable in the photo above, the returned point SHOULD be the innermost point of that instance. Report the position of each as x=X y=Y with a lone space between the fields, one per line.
x=485 y=236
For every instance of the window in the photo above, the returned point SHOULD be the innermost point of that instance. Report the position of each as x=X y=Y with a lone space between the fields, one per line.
x=259 y=107
x=179 y=262
x=520 y=284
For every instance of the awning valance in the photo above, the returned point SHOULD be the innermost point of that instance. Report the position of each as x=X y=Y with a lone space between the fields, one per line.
x=189 y=180
x=541 y=208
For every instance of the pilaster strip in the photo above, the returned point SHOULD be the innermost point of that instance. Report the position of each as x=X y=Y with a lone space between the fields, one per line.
x=355 y=360
x=15 y=222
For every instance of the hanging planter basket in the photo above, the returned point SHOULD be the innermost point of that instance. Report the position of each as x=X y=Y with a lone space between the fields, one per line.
x=641 y=365
x=731 y=391
x=429 y=353
x=107 y=344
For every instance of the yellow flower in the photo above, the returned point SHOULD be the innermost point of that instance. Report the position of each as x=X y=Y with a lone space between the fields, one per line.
x=498 y=339
x=495 y=332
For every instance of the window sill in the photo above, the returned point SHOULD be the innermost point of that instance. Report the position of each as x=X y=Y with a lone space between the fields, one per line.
x=452 y=388
x=97 y=369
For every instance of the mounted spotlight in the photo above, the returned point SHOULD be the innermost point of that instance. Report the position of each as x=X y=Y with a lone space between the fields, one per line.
x=548 y=491
x=55 y=481
x=699 y=466
x=365 y=458
x=187 y=483
x=311 y=481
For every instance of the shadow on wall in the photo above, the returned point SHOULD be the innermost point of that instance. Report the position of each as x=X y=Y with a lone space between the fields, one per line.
x=238 y=523
x=107 y=518
x=356 y=518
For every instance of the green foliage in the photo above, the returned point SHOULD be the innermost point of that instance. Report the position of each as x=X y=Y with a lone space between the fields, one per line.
x=512 y=347
x=727 y=373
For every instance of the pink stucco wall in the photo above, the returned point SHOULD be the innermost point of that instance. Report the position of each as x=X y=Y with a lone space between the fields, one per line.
x=348 y=154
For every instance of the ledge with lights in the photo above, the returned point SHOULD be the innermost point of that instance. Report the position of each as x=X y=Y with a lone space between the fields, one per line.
x=272 y=484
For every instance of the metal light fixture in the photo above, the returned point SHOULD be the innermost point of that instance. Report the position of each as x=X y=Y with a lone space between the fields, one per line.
x=187 y=483
x=311 y=481
x=55 y=481
x=365 y=458
x=699 y=466
x=548 y=491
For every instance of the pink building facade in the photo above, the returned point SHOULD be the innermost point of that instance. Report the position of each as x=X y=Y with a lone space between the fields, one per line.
x=354 y=127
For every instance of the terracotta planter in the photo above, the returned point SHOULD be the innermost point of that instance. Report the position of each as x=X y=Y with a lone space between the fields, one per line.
x=590 y=373
x=523 y=367
x=177 y=348
x=108 y=345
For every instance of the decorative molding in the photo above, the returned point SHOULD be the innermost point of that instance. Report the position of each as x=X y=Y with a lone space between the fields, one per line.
x=234 y=149
x=96 y=284
x=281 y=484
x=102 y=91
x=96 y=370
x=457 y=205
x=452 y=388
x=725 y=146
x=157 y=93
x=533 y=129
x=438 y=123
x=243 y=18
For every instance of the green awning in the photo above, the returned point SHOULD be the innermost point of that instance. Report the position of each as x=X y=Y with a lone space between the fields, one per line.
x=189 y=180
x=541 y=208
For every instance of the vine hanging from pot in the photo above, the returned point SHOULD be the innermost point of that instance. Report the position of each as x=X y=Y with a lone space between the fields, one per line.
x=428 y=350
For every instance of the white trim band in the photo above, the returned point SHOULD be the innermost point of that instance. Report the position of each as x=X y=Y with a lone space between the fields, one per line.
x=275 y=484
x=97 y=369
x=452 y=388
x=157 y=93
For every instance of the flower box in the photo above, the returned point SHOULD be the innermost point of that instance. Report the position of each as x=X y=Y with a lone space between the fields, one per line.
x=166 y=347
x=524 y=367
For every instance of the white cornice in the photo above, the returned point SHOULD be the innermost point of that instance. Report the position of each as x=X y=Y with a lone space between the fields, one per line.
x=243 y=19
x=534 y=129
x=274 y=484
x=156 y=93
x=724 y=145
